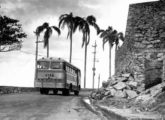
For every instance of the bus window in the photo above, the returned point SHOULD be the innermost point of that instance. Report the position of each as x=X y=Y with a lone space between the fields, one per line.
x=43 y=65
x=56 y=65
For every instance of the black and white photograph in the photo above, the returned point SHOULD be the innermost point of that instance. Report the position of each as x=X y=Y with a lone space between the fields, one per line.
x=82 y=59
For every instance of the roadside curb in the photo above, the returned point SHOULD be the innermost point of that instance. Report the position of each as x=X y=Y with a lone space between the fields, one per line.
x=127 y=114
x=122 y=114
x=88 y=104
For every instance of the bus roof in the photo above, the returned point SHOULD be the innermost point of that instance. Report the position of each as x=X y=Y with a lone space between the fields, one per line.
x=52 y=59
x=56 y=60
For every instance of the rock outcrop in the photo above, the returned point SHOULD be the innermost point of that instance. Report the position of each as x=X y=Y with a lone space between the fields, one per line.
x=125 y=87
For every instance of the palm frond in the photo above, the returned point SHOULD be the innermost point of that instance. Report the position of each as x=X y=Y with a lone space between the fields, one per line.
x=97 y=28
x=56 y=29
x=62 y=23
x=109 y=28
x=77 y=22
x=62 y=16
x=91 y=20
x=83 y=39
x=47 y=35
x=88 y=38
x=103 y=34
x=45 y=25
x=121 y=36
x=104 y=41
x=41 y=28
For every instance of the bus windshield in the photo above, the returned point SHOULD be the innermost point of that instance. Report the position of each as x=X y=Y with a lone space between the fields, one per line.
x=43 y=65
x=56 y=65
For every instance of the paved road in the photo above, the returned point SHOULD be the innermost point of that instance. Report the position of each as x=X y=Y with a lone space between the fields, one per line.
x=33 y=106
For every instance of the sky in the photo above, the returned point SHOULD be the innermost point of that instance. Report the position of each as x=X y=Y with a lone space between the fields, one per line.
x=17 y=67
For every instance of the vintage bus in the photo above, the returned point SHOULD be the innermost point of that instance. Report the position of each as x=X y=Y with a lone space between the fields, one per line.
x=56 y=74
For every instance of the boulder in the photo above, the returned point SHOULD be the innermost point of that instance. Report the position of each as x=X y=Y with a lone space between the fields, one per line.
x=120 y=94
x=113 y=92
x=107 y=93
x=156 y=90
x=120 y=85
x=109 y=88
x=112 y=82
x=128 y=87
x=126 y=75
x=132 y=84
x=113 y=78
x=131 y=94
x=131 y=78
x=143 y=98
x=93 y=95
x=122 y=79
x=105 y=84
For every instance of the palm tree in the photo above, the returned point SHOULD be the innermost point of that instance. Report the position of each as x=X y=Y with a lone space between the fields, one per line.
x=69 y=21
x=107 y=36
x=112 y=37
x=84 y=25
x=47 y=34
x=39 y=29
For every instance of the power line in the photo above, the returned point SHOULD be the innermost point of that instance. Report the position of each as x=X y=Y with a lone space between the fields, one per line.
x=26 y=52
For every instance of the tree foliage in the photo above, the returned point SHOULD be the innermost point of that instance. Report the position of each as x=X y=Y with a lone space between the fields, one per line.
x=10 y=33
x=112 y=36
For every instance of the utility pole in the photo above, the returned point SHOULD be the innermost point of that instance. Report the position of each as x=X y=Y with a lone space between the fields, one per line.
x=36 y=56
x=98 y=81
x=94 y=61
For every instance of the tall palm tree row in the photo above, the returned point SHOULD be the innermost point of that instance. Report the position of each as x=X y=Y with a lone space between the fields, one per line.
x=112 y=37
x=84 y=26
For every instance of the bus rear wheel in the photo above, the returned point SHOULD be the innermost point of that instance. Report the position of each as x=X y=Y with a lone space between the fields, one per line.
x=66 y=92
x=55 y=92
x=44 y=91
x=76 y=93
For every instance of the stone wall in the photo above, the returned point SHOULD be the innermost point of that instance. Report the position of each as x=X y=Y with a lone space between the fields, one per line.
x=142 y=53
x=16 y=90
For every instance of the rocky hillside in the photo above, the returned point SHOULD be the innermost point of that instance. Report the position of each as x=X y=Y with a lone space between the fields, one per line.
x=123 y=91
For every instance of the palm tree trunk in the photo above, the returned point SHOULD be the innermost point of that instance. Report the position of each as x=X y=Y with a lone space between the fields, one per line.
x=70 y=58
x=115 y=57
x=48 y=49
x=35 y=77
x=110 y=60
x=85 y=64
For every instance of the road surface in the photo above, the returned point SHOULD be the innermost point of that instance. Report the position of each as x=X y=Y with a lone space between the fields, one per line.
x=33 y=106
